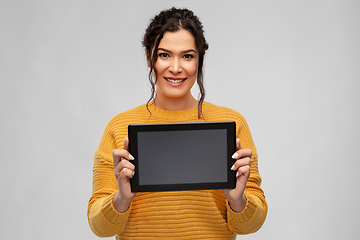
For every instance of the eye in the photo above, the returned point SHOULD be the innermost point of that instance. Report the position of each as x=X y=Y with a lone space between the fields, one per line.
x=164 y=55
x=188 y=56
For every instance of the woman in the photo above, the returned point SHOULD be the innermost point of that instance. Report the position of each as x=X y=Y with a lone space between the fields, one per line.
x=175 y=46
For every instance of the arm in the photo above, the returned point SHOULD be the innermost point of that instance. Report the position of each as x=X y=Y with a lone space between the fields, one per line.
x=246 y=205
x=107 y=213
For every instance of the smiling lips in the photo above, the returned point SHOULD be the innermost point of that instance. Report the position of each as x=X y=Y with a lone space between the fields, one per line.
x=175 y=79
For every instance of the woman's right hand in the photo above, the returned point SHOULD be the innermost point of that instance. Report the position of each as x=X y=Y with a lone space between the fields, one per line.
x=124 y=170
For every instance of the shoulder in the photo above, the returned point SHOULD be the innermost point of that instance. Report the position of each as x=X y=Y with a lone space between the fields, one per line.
x=214 y=111
x=129 y=116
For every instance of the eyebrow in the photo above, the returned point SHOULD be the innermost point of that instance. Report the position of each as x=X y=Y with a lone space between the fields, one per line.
x=186 y=51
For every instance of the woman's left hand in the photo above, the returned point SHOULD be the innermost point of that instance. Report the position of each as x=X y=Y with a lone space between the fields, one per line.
x=236 y=197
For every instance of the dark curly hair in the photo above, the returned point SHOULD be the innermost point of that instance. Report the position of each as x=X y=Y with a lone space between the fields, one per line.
x=172 y=20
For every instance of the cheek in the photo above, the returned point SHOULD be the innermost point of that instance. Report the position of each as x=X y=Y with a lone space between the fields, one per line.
x=159 y=69
x=160 y=66
x=192 y=69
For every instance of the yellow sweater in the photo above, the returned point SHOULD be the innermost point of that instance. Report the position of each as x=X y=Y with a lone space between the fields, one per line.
x=202 y=214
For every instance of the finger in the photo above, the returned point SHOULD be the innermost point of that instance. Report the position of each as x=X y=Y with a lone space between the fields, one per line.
x=124 y=164
x=119 y=154
x=240 y=163
x=125 y=174
x=242 y=153
x=243 y=170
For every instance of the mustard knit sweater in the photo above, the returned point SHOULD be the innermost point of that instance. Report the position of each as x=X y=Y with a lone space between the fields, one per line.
x=202 y=214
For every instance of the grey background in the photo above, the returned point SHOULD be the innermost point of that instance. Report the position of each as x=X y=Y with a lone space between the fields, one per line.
x=162 y=159
x=290 y=67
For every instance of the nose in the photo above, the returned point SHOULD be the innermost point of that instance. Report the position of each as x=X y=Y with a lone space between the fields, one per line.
x=175 y=67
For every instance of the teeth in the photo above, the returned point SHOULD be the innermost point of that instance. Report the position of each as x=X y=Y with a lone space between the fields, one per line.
x=175 y=81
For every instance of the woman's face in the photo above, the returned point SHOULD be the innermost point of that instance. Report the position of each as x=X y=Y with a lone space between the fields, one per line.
x=176 y=66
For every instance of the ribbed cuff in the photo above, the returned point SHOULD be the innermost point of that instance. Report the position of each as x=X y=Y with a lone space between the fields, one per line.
x=110 y=213
x=246 y=214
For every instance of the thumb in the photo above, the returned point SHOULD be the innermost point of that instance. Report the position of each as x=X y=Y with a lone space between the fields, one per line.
x=238 y=145
x=126 y=144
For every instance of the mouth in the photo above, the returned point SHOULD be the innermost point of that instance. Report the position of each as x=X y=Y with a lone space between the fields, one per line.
x=175 y=80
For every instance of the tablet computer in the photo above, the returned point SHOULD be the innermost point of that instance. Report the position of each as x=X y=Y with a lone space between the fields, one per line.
x=182 y=156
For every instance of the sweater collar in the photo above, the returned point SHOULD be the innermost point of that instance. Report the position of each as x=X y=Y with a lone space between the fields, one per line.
x=176 y=116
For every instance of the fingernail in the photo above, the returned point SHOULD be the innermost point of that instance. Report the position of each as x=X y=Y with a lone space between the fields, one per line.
x=235 y=155
x=133 y=173
x=131 y=157
x=237 y=174
x=233 y=167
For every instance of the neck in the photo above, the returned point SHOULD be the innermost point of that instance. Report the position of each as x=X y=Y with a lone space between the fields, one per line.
x=175 y=104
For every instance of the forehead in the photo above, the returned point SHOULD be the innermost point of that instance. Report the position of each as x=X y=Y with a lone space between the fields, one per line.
x=178 y=41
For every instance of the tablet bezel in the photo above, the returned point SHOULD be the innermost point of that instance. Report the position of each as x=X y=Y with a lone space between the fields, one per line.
x=230 y=127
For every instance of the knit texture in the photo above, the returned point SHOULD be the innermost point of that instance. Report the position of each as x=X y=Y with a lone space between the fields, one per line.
x=203 y=214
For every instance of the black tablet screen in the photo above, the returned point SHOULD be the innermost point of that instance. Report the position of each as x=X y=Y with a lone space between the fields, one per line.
x=182 y=157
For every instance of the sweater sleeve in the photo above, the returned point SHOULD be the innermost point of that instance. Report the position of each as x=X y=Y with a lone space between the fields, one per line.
x=253 y=215
x=103 y=219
